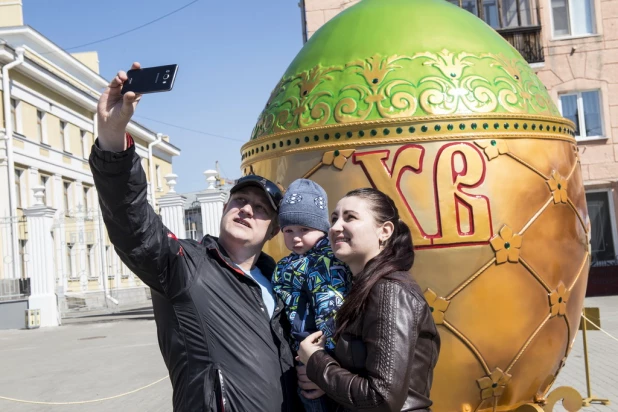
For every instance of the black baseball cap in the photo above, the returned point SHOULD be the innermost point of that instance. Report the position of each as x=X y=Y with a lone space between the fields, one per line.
x=273 y=192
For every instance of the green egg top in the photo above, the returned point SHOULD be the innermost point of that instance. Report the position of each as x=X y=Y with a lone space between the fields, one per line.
x=385 y=61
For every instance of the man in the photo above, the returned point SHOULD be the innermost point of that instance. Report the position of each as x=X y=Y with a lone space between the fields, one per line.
x=220 y=328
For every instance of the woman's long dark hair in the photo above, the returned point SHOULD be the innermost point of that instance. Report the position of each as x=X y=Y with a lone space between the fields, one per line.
x=397 y=255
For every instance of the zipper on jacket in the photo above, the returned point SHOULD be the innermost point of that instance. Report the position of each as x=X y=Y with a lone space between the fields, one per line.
x=237 y=270
x=222 y=401
x=305 y=315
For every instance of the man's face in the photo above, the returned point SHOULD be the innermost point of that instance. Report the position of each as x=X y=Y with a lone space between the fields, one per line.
x=248 y=218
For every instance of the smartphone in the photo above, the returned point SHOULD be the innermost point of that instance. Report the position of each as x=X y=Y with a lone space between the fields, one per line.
x=150 y=79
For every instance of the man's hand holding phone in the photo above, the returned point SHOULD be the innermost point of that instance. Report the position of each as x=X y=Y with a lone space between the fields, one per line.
x=114 y=112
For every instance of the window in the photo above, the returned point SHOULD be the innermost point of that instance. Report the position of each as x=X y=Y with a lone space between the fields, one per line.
x=89 y=258
x=490 y=13
x=64 y=136
x=583 y=109
x=70 y=267
x=469 y=5
x=572 y=17
x=23 y=258
x=510 y=15
x=82 y=137
x=39 y=126
x=108 y=261
x=86 y=200
x=193 y=221
x=602 y=225
x=158 y=175
x=44 y=182
x=18 y=199
x=14 y=113
x=509 y=11
x=65 y=192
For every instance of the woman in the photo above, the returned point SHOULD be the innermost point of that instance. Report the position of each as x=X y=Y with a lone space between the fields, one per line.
x=387 y=342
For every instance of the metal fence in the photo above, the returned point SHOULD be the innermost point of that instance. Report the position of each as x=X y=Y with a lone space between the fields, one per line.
x=13 y=251
x=88 y=273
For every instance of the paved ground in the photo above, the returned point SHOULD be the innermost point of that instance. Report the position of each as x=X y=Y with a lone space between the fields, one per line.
x=86 y=361
x=603 y=357
x=103 y=355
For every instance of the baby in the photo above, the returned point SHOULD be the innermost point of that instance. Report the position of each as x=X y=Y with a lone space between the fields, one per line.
x=311 y=280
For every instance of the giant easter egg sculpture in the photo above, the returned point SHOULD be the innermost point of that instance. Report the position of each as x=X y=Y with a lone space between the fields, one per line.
x=422 y=100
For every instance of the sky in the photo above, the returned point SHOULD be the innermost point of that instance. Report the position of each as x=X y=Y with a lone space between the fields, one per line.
x=230 y=54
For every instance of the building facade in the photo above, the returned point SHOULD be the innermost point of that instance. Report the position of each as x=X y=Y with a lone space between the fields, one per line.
x=573 y=47
x=48 y=104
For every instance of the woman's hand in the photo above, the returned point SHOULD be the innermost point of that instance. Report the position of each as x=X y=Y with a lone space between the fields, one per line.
x=114 y=112
x=312 y=343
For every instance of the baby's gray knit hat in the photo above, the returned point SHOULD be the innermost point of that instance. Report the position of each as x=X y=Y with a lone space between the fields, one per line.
x=305 y=204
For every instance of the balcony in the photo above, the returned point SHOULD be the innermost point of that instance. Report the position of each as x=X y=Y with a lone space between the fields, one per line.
x=518 y=21
x=527 y=41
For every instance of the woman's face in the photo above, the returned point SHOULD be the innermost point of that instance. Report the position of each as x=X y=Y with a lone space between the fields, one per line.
x=354 y=234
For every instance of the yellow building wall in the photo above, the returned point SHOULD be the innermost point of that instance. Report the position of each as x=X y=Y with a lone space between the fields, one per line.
x=11 y=13
x=89 y=58
x=51 y=124
x=38 y=87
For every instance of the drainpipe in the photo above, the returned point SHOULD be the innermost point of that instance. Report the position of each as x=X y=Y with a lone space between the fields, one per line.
x=152 y=168
x=8 y=136
x=303 y=19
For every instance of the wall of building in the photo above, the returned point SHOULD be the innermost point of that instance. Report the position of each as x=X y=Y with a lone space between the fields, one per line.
x=588 y=63
x=41 y=89
x=43 y=152
x=318 y=12
x=11 y=13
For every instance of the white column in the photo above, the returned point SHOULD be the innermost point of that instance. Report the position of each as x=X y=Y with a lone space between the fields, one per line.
x=42 y=279
x=173 y=213
x=6 y=239
x=4 y=180
x=117 y=271
x=79 y=213
x=148 y=194
x=100 y=262
x=211 y=204
x=91 y=251
x=58 y=200
x=172 y=208
x=60 y=244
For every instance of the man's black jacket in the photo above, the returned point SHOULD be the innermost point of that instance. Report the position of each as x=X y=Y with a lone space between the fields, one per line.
x=220 y=347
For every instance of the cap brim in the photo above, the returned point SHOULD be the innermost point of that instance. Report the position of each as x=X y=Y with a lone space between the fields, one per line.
x=259 y=186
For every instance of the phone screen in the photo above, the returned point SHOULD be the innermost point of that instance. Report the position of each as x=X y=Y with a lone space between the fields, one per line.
x=150 y=79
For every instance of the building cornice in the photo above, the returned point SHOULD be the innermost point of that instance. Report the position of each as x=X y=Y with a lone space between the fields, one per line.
x=42 y=45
